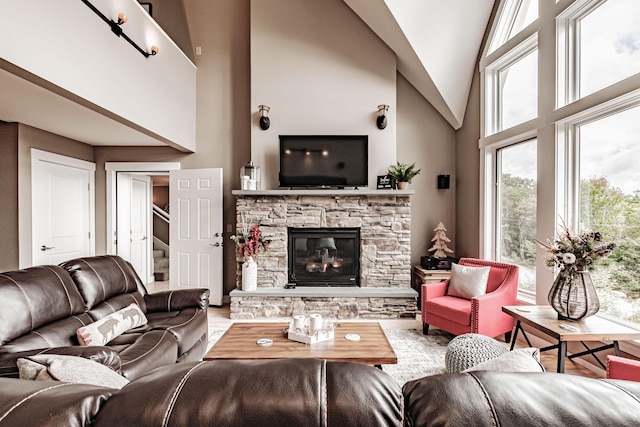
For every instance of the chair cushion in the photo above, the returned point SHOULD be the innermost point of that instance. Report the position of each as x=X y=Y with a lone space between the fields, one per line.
x=456 y=310
x=71 y=369
x=111 y=326
x=468 y=282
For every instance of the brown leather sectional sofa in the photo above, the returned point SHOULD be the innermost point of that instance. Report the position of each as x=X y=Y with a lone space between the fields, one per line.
x=309 y=392
x=42 y=307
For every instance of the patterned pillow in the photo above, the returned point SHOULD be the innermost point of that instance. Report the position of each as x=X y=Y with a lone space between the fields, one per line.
x=111 y=326
x=70 y=369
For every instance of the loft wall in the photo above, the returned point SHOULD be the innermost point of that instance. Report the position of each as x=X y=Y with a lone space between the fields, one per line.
x=69 y=47
x=323 y=72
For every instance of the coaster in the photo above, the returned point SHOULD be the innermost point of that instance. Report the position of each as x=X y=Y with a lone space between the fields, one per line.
x=352 y=337
x=264 y=342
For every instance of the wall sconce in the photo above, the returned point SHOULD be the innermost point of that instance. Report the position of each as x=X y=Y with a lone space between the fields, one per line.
x=116 y=28
x=265 y=122
x=381 y=121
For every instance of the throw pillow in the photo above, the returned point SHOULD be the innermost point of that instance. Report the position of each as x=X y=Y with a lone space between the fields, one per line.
x=520 y=360
x=111 y=326
x=468 y=282
x=71 y=369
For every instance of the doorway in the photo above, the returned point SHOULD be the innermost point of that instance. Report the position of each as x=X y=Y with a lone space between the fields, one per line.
x=195 y=222
x=62 y=208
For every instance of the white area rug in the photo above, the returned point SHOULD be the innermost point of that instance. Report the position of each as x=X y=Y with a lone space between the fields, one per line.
x=418 y=355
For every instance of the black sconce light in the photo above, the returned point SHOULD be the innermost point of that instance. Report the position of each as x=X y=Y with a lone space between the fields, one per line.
x=264 y=116
x=381 y=121
x=116 y=28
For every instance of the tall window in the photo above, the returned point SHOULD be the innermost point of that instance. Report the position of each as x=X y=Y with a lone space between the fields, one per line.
x=516 y=14
x=609 y=44
x=517 y=192
x=512 y=83
x=589 y=138
x=610 y=203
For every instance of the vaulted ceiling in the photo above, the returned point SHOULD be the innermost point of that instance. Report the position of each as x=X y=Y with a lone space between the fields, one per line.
x=436 y=43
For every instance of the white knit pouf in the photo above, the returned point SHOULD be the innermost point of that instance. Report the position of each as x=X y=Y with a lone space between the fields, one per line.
x=468 y=350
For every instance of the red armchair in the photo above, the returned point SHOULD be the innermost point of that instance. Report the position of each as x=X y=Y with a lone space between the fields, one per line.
x=621 y=368
x=480 y=315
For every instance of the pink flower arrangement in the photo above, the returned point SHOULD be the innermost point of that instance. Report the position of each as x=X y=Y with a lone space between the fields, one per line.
x=251 y=242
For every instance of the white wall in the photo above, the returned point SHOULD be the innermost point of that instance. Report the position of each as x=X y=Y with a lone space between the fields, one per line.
x=323 y=72
x=68 y=45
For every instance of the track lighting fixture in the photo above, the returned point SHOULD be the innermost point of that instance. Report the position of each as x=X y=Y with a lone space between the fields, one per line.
x=116 y=28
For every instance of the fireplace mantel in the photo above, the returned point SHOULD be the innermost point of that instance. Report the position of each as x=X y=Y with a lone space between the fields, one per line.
x=323 y=192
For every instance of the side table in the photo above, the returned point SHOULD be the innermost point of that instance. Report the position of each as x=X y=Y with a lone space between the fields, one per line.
x=595 y=329
x=422 y=276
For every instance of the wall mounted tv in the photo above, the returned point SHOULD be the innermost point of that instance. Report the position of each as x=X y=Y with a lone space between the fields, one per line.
x=324 y=161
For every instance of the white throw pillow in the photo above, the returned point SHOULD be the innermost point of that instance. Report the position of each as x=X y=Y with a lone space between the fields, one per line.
x=111 y=326
x=70 y=369
x=468 y=282
x=520 y=360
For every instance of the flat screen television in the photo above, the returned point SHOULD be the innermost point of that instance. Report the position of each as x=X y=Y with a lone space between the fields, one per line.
x=324 y=161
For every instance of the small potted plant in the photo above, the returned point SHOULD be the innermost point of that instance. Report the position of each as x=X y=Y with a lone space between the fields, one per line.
x=403 y=173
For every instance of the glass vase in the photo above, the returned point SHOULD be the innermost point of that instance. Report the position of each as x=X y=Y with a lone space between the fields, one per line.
x=574 y=296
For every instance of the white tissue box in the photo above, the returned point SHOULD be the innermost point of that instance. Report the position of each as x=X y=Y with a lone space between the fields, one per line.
x=311 y=339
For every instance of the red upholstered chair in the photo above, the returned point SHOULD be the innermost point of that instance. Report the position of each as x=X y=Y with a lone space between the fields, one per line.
x=621 y=368
x=480 y=315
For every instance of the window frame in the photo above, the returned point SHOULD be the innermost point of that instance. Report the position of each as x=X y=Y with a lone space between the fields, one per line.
x=492 y=116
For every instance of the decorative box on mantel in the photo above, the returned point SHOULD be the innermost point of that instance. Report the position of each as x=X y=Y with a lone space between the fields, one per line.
x=384 y=220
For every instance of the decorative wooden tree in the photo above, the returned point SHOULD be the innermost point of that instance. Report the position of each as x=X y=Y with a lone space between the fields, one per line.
x=440 y=239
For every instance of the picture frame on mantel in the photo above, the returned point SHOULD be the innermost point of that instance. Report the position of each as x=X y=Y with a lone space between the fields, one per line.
x=385 y=182
x=148 y=7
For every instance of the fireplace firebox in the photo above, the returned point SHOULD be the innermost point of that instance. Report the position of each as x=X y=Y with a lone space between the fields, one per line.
x=324 y=256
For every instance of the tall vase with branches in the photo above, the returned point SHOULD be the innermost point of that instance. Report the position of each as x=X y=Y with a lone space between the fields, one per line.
x=250 y=242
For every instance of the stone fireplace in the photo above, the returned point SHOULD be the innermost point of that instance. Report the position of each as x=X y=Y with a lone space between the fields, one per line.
x=381 y=219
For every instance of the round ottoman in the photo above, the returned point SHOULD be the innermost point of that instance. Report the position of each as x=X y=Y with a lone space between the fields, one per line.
x=466 y=351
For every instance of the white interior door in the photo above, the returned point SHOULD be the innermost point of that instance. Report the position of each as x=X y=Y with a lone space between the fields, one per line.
x=62 y=208
x=195 y=200
x=134 y=222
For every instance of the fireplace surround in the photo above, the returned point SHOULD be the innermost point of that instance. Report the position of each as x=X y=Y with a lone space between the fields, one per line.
x=383 y=219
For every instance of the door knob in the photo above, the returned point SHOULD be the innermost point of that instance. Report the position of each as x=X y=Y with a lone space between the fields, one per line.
x=216 y=244
x=46 y=248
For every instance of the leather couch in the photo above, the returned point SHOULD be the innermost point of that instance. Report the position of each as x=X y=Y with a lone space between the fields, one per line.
x=42 y=307
x=524 y=399
x=281 y=392
x=309 y=392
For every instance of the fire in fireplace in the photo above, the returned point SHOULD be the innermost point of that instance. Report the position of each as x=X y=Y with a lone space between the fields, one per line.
x=324 y=256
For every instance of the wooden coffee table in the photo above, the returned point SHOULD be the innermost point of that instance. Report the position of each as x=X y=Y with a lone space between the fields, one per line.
x=595 y=328
x=240 y=342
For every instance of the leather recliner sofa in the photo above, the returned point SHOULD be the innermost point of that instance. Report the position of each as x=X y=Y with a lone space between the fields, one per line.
x=42 y=307
x=309 y=392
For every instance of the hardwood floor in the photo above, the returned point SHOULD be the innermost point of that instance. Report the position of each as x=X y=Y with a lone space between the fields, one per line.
x=219 y=320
